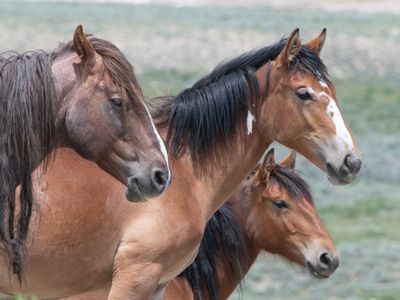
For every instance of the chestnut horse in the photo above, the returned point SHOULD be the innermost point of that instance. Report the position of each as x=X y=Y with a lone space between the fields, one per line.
x=217 y=132
x=273 y=211
x=84 y=95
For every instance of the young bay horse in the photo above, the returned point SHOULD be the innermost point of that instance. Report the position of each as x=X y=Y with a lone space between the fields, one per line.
x=273 y=211
x=217 y=131
x=84 y=95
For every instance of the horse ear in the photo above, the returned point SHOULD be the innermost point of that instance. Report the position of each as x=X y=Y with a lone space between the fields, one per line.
x=269 y=161
x=291 y=49
x=262 y=174
x=83 y=47
x=318 y=42
x=289 y=161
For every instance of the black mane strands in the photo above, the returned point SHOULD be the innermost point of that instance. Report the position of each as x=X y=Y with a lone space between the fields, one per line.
x=307 y=61
x=202 y=121
x=290 y=180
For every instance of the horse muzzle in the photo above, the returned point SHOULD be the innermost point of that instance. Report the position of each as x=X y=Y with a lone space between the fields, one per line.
x=325 y=265
x=142 y=186
x=346 y=172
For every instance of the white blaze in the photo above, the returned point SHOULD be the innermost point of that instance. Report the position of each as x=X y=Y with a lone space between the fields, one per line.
x=323 y=84
x=250 y=120
x=161 y=143
x=342 y=132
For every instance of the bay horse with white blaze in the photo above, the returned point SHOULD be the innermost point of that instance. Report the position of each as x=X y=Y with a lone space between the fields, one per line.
x=84 y=95
x=216 y=131
x=273 y=211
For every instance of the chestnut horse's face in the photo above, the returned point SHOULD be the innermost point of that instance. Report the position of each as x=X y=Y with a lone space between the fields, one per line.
x=106 y=119
x=305 y=114
x=289 y=225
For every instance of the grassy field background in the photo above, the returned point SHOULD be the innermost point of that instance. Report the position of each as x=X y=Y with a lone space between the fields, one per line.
x=172 y=45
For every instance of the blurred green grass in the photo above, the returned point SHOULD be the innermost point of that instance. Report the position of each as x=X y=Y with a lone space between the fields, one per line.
x=370 y=105
x=20 y=297
x=375 y=217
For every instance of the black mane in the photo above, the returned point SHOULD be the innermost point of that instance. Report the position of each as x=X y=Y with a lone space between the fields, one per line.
x=27 y=130
x=224 y=241
x=205 y=117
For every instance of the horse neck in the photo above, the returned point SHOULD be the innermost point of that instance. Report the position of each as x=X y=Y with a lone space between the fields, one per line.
x=242 y=202
x=228 y=283
x=223 y=181
x=250 y=146
x=220 y=174
x=64 y=78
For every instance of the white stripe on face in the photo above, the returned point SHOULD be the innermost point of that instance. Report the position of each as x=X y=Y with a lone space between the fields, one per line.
x=250 y=120
x=159 y=139
x=323 y=84
x=342 y=132
x=163 y=149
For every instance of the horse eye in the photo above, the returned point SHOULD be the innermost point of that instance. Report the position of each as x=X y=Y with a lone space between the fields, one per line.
x=281 y=204
x=303 y=94
x=117 y=102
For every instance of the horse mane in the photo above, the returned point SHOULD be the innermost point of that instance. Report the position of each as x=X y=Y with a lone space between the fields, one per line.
x=203 y=119
x=290 y=180
x=28 y=131
x=224 y=239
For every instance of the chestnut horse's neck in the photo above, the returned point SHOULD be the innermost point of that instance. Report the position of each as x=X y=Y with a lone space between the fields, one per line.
x=220 y=185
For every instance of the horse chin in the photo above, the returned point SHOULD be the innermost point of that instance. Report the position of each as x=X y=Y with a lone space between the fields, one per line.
x=314 y=273
x=134 y=194
x=335 y=178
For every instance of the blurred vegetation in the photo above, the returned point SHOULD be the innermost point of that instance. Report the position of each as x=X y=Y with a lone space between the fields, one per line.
x=370 y=105
x=172 y=46
x=20 y=297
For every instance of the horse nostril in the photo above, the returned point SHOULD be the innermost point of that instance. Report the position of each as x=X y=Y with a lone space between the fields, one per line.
x=357 y=165
x=326 y=259
x=348 y=162
x=352 y=163
x=160 y=178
